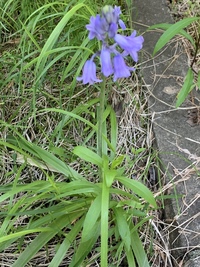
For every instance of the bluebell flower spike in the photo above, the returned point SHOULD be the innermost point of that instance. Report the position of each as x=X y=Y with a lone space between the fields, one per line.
x=104 y=27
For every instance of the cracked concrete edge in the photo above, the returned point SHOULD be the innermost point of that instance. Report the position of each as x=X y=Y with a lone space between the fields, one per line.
x=193 y=260
x=161 y=76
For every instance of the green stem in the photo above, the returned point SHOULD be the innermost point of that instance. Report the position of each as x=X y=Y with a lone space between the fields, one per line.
x=105 y=189
x=104 y=224
x=100 y=117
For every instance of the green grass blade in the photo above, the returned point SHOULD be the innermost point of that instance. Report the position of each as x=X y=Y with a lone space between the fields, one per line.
x=88 y=155
x=31 y=36
x=138 y=250
x=91 y=218
x=198 y=80
x=66 y=119
x=186 y=88
x=130 y=257
x=139 y=189
x=72 y=115
x=75 y=116
x=7 y=223
x=24 y=232
x=81 y=203
x=40 y=185
x=86 y=247
x=166 y=26
x=44 y=237
x=54 y=37
x=172 y=31
x=61 y=252
x=77 y=187
x=106 y=114
x=123 y=227
x=45 y=156
x=76 y=57
x=51 y=63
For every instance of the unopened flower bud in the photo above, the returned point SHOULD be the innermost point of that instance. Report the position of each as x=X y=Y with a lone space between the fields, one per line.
x=107 y=12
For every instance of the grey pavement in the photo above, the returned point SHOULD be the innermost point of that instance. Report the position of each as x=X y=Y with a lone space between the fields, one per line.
x=177 y=141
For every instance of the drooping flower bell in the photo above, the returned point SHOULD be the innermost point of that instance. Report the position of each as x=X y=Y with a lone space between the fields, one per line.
x=89 y=73
x=121 y=70
x=104 y=27
x=106 y=62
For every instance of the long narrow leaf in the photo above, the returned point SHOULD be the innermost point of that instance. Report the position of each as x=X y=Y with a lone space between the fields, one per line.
x=85 y=247
x=67 y=119
x=72 y=115
x=88 y=155
x=77 y=55
x=166 y=26
x=45 y=156
x=186 y=88
x=91 y=218
x=172 y=31
x=94 y=127
x=130 y=257
x=44 y=237
x=198 y=80
x=138 y=249
x=54 y=37
x=139 y=189
x=23 y=233
x=123 y=227
x=62 y=251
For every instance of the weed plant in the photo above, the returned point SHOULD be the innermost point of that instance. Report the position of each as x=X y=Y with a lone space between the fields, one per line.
x=53 y=202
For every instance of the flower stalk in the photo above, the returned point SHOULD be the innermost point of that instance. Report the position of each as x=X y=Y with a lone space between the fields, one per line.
x=100 y=118
x=114 y=50
x=104 y=223
x=105 y=189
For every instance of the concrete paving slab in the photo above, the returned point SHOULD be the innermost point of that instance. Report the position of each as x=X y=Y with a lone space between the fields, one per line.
x=178 y=143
